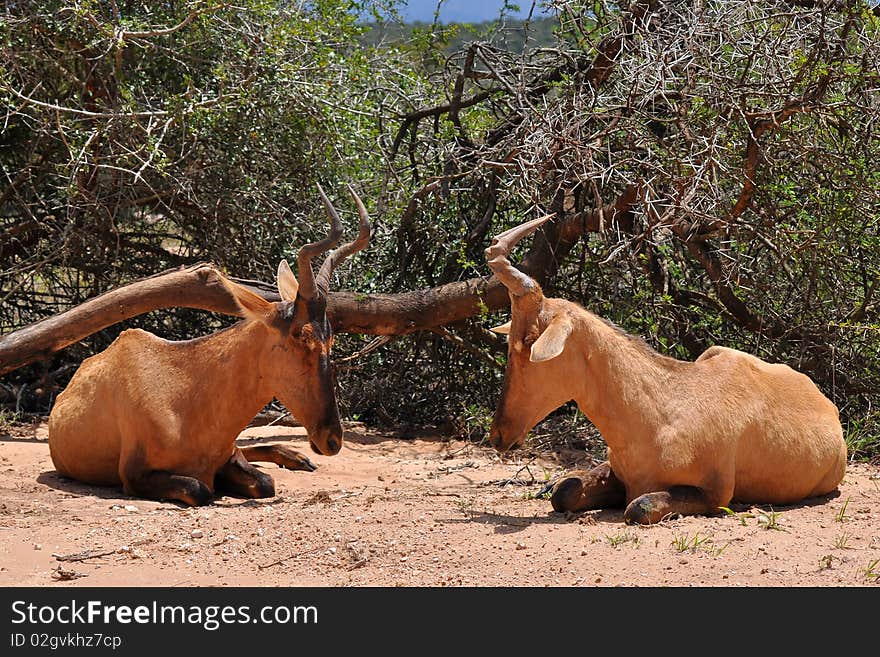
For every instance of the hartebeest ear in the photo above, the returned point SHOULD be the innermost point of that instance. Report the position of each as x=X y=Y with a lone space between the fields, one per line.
x=552 y=341
x=252 y=305
x=288 y=286
x=504 y=329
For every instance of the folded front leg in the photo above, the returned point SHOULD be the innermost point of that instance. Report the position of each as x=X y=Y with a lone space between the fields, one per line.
x=283 y=456
x=679 y=500
x=238 y=477
x=598 y=488
x=162 y=485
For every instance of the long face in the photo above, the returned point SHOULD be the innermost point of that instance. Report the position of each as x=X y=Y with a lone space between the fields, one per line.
x=537 y=379
x=302 y=373
x=307 y=385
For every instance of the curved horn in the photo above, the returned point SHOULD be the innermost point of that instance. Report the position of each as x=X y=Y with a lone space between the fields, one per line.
x=340 y=254
x=307 y=286
x=513 y=279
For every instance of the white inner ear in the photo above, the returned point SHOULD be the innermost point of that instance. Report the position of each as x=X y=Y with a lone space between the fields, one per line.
x=288 y=286
x=552 y=341
x=504 y=329
x=251 y=305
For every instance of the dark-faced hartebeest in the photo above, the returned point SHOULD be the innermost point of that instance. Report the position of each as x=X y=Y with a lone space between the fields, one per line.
x=683 y=437
x=161 y=418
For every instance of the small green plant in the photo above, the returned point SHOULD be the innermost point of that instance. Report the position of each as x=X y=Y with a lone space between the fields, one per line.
x=841 y=515
x=718 y=549
x=742 y=517
x=466 y=506
x=531 y=495
x=703 y=543
x=826 y=562
x=626 y=536
x=841 y=541
x=547 y=491
x=872 y=571
x=767 y=519
x=685 y=543
x=7 y=419
x=861 y=435
x=770 y=520
x=477 y=420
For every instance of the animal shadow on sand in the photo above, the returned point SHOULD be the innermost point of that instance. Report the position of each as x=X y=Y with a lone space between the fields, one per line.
x=510 y=524
x=739 y=507
x=52 y=479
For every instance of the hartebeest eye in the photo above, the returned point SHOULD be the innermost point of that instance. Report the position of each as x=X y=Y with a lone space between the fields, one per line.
x=306 y=337
x=308 y=342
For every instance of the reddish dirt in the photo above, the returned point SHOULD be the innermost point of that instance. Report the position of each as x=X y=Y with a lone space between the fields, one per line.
x=423 y=511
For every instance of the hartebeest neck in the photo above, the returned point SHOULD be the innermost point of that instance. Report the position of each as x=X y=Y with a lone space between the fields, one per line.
x=236 y=383
x=625 y=381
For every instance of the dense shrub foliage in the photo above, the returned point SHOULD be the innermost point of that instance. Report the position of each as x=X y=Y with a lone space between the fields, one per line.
x=742 y=136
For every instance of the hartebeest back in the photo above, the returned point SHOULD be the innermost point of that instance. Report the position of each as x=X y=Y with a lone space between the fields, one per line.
x=682 y=437
x=161 y=417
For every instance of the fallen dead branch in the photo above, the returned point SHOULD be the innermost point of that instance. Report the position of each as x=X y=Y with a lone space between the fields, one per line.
x=98 y=552
x=61 y=575
x=84 y=556
x=514 y=480
x=273 y=418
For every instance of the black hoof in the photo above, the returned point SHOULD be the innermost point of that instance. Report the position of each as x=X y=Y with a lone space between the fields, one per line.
x=264 y=487
x=567 y=494
x=199 y=494
x=303 y=464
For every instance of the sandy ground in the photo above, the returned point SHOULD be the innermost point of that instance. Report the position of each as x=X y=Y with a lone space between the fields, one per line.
x=423 y=511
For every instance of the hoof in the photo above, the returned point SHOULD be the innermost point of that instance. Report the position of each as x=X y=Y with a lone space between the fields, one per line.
x=264 y=487
x=198 y=494
x=567 y=495
x=303 y=464
x=293 y=460
x=641 y=511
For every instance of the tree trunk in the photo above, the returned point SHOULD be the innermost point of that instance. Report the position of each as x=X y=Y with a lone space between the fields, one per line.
x=199 y=286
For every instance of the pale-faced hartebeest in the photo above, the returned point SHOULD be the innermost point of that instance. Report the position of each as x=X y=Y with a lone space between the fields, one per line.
x=161 y=418
x=682 y=437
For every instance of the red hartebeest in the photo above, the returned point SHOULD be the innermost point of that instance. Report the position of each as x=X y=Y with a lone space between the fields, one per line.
x=683 y=438
x=161 y=417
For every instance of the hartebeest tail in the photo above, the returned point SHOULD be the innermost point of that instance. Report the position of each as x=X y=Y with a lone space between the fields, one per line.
x=683 y=438
x=161 y=417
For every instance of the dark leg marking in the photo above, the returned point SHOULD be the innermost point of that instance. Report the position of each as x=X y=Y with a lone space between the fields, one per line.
x=238 y=477
x=162 y=485
x=139 y=480
x=598 y=488
x=283 y=456
x=682 y=500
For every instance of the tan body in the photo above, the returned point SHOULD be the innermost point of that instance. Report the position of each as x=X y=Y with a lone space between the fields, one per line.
x=161 y=418
x=159 y=412
x=683 y=437
x=729 y=424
